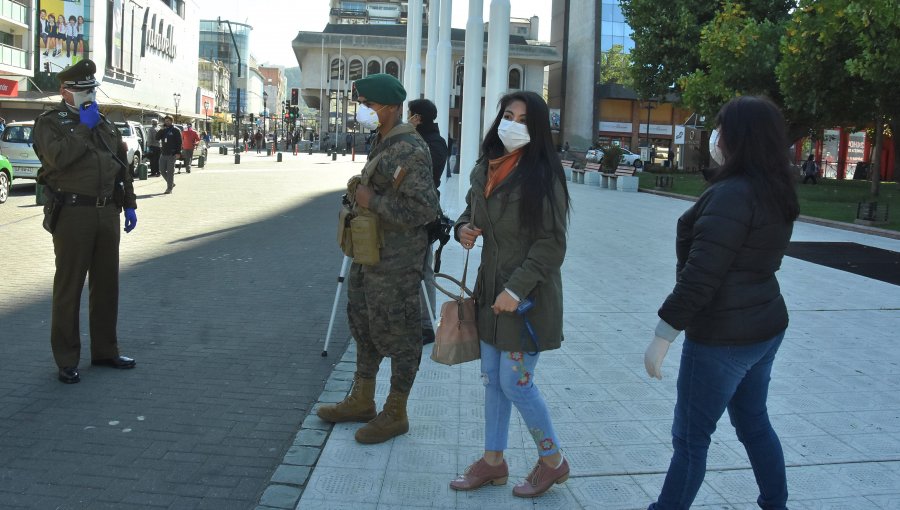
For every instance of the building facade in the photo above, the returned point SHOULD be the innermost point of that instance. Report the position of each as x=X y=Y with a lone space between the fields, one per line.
x=362 y=12
x=217 y=45
x=17 y=38
x=145 y=51
x=332 y=59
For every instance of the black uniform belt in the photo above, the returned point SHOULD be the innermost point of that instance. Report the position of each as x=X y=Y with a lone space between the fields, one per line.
x=85 y=200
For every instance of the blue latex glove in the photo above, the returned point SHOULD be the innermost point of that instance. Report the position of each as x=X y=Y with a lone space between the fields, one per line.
x=130 y=219
x=90 y=115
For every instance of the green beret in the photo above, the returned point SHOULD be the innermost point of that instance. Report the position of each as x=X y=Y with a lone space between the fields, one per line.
x=381 y=88
x=79 y=75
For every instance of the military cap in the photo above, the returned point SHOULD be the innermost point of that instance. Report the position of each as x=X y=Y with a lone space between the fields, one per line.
x=381 y=88
x=79 y=75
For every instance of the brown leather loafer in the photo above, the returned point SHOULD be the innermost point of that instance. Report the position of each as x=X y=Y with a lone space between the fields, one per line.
x=117 y=362
x=480 y=474
x=541 y=478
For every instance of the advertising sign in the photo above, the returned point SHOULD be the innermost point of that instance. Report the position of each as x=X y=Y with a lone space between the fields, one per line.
x=679 y=135
x=9 y=88
x=554 y=119
x=62 y=33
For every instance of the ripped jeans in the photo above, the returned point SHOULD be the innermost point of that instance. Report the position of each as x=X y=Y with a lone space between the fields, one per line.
x=509 y=379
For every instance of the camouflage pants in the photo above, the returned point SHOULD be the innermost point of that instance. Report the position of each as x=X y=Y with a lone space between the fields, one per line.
x=383 y=311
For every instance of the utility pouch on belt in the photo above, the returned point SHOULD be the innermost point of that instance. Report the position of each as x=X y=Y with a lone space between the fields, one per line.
x=345 y=238
x=366 y=239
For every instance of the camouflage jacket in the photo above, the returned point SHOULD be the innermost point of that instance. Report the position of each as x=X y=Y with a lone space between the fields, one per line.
x=399 y=172
x=77 y=159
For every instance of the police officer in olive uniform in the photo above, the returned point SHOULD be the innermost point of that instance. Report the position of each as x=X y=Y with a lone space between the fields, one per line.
x=383 y=298
x=84 y=169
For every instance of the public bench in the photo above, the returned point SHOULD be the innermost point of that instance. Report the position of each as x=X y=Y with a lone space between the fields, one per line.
x=623 y=179
x=592 y=173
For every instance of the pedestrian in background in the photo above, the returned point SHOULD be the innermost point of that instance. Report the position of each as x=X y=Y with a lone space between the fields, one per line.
x=810 y=169
x=421 y=114
x=84 y=169
x=383 y=298
x=170 y=148
x=727 y=300
x=189 y=141
x=258 y=140
x=349 y=141
x=518 y=204
x=153 y=147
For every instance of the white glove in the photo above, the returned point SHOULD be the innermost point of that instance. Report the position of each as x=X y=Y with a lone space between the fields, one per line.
x=654 y=356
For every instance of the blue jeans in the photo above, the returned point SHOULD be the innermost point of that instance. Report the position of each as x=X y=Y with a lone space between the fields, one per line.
x=711 y=380
x=509 y=379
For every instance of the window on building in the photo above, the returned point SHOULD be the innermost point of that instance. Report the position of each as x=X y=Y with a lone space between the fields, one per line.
x=374 y=67
x=356 y=70
x=337 y=69
x=459 y=75
x=392 y=68
x=515 y=79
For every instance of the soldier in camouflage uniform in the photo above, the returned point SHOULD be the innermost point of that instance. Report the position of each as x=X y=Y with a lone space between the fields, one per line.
x=383 y=298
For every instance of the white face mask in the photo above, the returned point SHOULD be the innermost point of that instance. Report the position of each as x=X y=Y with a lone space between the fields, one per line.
x=82 y=97
x=367 y=117
x=714 y=149
x=512 y=134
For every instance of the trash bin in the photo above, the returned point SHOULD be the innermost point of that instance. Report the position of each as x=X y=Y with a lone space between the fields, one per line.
x=142 y=172
x=225 y=150
x=201 y=161
x=278 y=157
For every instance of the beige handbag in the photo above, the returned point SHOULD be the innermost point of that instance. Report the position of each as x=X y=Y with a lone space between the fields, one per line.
x=456 y=339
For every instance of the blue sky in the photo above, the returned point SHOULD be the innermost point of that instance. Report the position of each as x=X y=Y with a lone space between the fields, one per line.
x=276 y=22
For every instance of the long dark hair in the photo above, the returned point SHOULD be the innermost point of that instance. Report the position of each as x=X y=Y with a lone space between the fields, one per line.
x=539 y=165
x=753 y=139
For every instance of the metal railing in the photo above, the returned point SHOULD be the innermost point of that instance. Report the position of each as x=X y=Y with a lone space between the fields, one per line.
x=12 y=56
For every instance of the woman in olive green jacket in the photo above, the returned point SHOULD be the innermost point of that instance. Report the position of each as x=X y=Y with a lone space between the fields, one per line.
x=518 y=205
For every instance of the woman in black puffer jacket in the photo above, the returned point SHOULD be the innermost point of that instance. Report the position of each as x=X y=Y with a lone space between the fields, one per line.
x=727 y=301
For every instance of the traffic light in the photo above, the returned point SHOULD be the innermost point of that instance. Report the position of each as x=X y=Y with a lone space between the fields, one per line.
x=295 y=96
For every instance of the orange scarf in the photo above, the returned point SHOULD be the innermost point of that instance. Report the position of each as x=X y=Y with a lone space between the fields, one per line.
x=499 y=169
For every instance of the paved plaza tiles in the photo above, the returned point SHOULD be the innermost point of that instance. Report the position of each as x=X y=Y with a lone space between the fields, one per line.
x=834 y=395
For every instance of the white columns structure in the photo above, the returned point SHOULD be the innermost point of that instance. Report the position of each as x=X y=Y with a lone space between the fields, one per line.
x=471 y=108
x=444 y=72
x=434 y=11
x=412 y=76
x=497 y=82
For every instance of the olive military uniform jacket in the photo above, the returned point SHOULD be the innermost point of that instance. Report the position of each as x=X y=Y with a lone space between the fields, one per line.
x=510 y=258
x=399 y=172
x=729 y=247
x=77 y=159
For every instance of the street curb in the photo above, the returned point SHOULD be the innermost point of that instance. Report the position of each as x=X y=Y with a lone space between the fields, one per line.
x=862 y=229
x=286 y=486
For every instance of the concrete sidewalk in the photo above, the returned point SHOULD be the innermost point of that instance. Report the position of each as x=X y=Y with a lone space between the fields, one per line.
x=834 y=396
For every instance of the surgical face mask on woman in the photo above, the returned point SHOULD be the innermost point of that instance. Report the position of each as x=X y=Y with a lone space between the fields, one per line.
x=512 y=134
x=367 y=117
x=714 y=149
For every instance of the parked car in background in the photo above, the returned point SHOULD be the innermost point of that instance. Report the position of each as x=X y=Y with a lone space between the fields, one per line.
x=17 y=145
x=630 y=158
x=593 y=155
x=6 y=178
x=135 y=139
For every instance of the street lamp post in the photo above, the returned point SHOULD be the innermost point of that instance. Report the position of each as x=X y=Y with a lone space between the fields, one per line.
x=177 y=97
x=206 y=112
x=265 y=117
x=650 y=106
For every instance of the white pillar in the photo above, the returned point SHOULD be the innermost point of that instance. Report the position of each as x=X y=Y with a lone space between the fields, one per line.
x=471 y=108
x=412 y=75
x=497 y=59
x=434 y=11
x=444 y=72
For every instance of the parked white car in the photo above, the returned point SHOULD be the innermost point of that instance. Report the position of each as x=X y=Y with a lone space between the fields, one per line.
x=17 y=145
x=593 y=155
x=135 y=139
x=630 y=158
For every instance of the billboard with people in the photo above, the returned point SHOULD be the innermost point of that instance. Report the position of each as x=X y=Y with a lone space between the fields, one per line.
x=62 y=33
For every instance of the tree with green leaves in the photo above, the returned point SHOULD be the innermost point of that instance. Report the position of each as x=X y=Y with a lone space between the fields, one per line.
x=615 y=67
x=840 y=64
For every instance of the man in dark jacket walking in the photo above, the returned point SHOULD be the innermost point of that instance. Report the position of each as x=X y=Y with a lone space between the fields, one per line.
x=170 y=147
